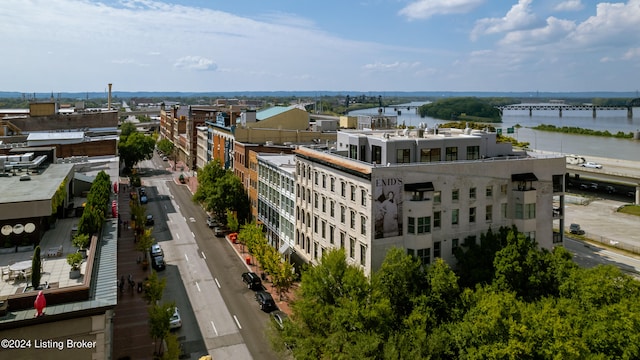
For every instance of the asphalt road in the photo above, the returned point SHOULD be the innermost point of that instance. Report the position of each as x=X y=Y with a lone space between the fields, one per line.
x=219 y=314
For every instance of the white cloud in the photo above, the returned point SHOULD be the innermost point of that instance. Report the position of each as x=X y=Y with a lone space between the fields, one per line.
x=424 y=9
x=569 y=5
x=397 y=65
x=518 y=17
x=614 y=24
x=553 y=34
x=195 y=63
x=632 y=54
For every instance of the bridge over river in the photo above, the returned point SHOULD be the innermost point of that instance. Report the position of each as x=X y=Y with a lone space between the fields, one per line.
x=560 y=107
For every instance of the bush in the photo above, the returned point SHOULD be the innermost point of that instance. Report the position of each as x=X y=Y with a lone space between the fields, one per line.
x=74 y=260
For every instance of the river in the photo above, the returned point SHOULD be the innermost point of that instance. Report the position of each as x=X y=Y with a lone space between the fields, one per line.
x=608 y=147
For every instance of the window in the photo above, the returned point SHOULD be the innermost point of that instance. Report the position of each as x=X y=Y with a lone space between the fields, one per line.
x=488 y=217
x=363 y=254
x=403 y=156
x=315 y=177
x=315 y=201
x=436 y=249
x=473 y=152
x=324 y=181
x=324 y=229
x=454 y=244
x=303 y=197
x=352 y=248
x=343 y=214
x=363 y=197
x=530 y=211
x=455 y=195
x=342 y=236
x=343 y=189
x=503 y=189
x=315 y=224
x=488 y=192
x=437 y=197
x=324 y=204
x=353 y=219
x=503 y=211
x=437 y=219
x=424 y=255
x=376 y=154
x=424 y=225
x=363 y=225
x=353 y=151
x=298 y=190
x=472 y=215
x=353 y=193
x=315 y=250
x=430 y=155
x=454 y=216
x=411 y=225
x=519 y=211
x=332 y=208
x=308 y=195
x=332 y=230
x=333 y=184
x=472 y=193
x=451 y=154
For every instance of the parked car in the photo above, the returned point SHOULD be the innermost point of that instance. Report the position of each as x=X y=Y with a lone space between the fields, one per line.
x=176 y=321
x=211 y=222
x=279 y=317
x=218 y=231
x=149 y=221
x=156 y=250
x=610 y=189
x=265 y=301
x=252 y=280
x=591 y=164
x=144 y=199
x=164 y=158
x=575 y=229
x=158 y=263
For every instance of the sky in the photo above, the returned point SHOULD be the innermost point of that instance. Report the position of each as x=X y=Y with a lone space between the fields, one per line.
x=310 y=45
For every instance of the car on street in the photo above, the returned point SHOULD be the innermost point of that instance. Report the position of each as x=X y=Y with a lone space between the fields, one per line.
x=164 y=158
x=158 y=263
x=156 y=250
x=252 y=280
x=575 y=229
x=149 y=221
x=176 y=321
x=211 y=223
x=218 y=231
x=144 y=199
x=279 y=317
x=265 y=300
x=591 y=164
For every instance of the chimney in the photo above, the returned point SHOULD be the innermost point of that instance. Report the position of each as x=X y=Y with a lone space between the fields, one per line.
x=109 y=100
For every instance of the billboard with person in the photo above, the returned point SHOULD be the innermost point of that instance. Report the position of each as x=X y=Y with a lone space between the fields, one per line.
x=387 y=207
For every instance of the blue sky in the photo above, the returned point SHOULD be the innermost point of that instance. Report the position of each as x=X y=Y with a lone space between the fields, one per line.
x=304 y=45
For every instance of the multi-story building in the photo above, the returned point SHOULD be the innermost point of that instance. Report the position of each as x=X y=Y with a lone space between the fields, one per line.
x=424 y=191
x=276 y=199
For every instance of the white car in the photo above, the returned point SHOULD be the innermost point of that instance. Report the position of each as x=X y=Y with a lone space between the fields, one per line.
x=592 y=165
x=175 y=321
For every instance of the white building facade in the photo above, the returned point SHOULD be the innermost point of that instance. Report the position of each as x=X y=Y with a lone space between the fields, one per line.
x=424 y=191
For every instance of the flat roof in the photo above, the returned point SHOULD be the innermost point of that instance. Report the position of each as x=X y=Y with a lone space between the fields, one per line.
x=63 y=135
x=42 y=186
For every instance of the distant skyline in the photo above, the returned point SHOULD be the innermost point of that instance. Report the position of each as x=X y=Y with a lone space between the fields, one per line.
x=292 y=45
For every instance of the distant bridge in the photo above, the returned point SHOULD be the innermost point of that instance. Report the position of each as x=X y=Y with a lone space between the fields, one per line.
x=560 y=107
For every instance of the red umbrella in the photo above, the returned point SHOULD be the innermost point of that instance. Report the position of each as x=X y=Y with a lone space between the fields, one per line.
x=40 y=304
x=115 y=187
x=114 y=208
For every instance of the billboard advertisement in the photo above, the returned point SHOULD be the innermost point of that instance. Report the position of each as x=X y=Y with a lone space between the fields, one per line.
x=387 y=207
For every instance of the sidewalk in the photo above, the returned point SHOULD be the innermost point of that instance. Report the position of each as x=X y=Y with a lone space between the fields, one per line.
x=131 y=339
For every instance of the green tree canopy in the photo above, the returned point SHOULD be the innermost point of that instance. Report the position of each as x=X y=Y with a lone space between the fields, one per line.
x=135 y=147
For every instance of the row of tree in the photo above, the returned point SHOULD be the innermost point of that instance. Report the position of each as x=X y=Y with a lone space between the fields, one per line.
x=455 y=108
x=581 y=131
x=219 y=191
x=509 y=300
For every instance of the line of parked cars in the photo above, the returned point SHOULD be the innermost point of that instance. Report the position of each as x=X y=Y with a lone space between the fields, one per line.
x=264 y=299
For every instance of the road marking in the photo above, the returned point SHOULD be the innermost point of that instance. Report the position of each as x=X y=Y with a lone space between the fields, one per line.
x=203 y=255
x=214 y=328
x=237 y=322
x=186 y=257
x=177 y=236
x=194 y=235
x=217 y=283
x=165 y=207
x=198 y=286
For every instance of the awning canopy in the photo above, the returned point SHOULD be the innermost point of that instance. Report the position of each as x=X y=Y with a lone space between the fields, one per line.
x=423 y=186
x=524 y=177
x=285 y=249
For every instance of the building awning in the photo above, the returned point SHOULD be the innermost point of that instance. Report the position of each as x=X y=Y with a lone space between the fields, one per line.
x=524 y=177
x=285 y=249
x=423 y=186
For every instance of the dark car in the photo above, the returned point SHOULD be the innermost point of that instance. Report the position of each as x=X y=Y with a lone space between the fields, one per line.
x=252 y=280
x=575 y=229
x=149 y=220
x=158 y=263
x=265 y=301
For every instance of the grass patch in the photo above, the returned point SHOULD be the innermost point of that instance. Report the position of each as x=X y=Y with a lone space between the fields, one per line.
x=630 y=209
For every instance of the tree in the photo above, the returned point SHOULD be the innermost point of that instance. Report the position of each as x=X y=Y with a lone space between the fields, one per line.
x=173 y=347
x=59 y=196
x=36 y=268
x=160 y=323
x=166 y=146
x=144 y=241
x=91 y=220
x=127 y=129
x=134 y=148
x=81 y=241
x=232 y=221
x=153 y=288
